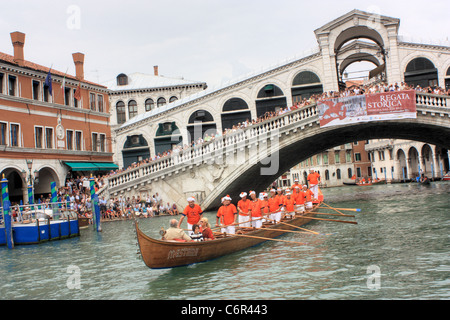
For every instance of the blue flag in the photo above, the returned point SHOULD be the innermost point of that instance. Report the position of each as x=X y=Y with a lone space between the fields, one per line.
x=48 y=82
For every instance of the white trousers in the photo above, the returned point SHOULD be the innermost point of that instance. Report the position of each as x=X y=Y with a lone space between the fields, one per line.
x=309 y=205
x=228 y=229
x=257 y=222
x=315 y=189
x=244 y=221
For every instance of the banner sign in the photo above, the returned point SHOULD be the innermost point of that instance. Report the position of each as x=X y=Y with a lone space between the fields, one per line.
x=370 y=107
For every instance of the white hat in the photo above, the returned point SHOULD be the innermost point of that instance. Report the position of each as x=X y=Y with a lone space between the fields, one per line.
x=264 y=194
x=279 y=189
x=190 y=199
x=252 y=192
x=288 y=193
x=305 y=186
x=243 y=194
x=227 y=197
x=297 y=187
x=272 y=190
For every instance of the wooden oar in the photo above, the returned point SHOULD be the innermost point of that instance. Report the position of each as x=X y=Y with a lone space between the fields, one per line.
x=337 y=210
x=291 y=225
x=343 y=209
x=335 y=214
x=262 y=238
x=343 y=221
x=280 y=230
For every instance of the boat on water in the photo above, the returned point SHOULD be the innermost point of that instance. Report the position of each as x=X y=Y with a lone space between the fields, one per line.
x=42 y=226
x=369 y=183
x=159 y=254
x=446 y=177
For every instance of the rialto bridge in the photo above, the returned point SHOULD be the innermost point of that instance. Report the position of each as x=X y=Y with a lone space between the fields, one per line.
x=246 y=159
x=250 y=159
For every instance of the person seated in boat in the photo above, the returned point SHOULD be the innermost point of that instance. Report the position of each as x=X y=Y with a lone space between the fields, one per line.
x=175 y=233
x=255 y=210
x=206 y=229
x=227 y=216
x=196 y=234
x=243 y=208
x=193 y=212
x=289 y=204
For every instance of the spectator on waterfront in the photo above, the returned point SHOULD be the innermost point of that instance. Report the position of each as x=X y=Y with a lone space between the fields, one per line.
x=175 y=233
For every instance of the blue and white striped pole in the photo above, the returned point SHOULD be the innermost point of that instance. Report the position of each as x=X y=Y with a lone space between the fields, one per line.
x=6 y=214
x=95 y=205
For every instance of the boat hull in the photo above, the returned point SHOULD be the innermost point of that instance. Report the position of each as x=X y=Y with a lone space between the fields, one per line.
x=159 y=254
x=34 y=233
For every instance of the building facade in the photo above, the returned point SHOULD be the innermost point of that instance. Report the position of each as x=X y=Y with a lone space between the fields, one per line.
x=404 y=160
x=49 y=121
x=136 y=94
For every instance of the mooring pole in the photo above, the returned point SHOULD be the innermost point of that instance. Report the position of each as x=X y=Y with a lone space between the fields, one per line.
x=7 y=214
x=95 y=206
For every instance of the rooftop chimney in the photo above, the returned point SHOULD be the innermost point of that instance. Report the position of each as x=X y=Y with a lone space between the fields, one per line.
x=155 y=69
x=18 y=41
x=78 y=59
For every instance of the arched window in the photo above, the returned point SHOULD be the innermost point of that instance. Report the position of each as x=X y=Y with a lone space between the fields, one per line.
x=149 y=104
x=172 y=99
x=161 y=102
x=122 y=79
x=201 y=125
x=338 y=174
x=304 y=85
x=350 y=173
x=120 y=111
x=327 y=175
x=421 y=72
x=270 y=99
x=235 y=111
x=132 y=109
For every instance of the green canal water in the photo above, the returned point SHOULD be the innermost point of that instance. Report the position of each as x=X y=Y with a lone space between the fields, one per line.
x=398 y=250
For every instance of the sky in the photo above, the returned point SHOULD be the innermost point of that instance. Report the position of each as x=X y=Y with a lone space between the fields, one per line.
x=203 y=40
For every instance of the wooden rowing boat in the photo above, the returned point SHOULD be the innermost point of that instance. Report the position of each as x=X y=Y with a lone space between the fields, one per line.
x=159 y=254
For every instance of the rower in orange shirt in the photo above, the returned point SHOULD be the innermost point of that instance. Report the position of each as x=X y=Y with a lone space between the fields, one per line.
x=300 y=200
x=243 y=207
x=296 y=184
x=193 y=212
x=289 y=204
x=314 y=180
x=264 y=206
x=274 y=207
x=227 y=216
x=255 y=210
x=309 y=196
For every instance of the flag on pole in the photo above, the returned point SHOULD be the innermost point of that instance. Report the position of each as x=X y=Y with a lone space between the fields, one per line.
x=48 y=81
x=63 y=84
x=77 y=94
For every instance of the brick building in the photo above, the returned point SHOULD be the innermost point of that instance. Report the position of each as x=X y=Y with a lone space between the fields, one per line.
x=49 y=128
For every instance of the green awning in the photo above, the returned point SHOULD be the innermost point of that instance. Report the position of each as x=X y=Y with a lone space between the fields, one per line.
x=106 y=165
x=91 y=166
